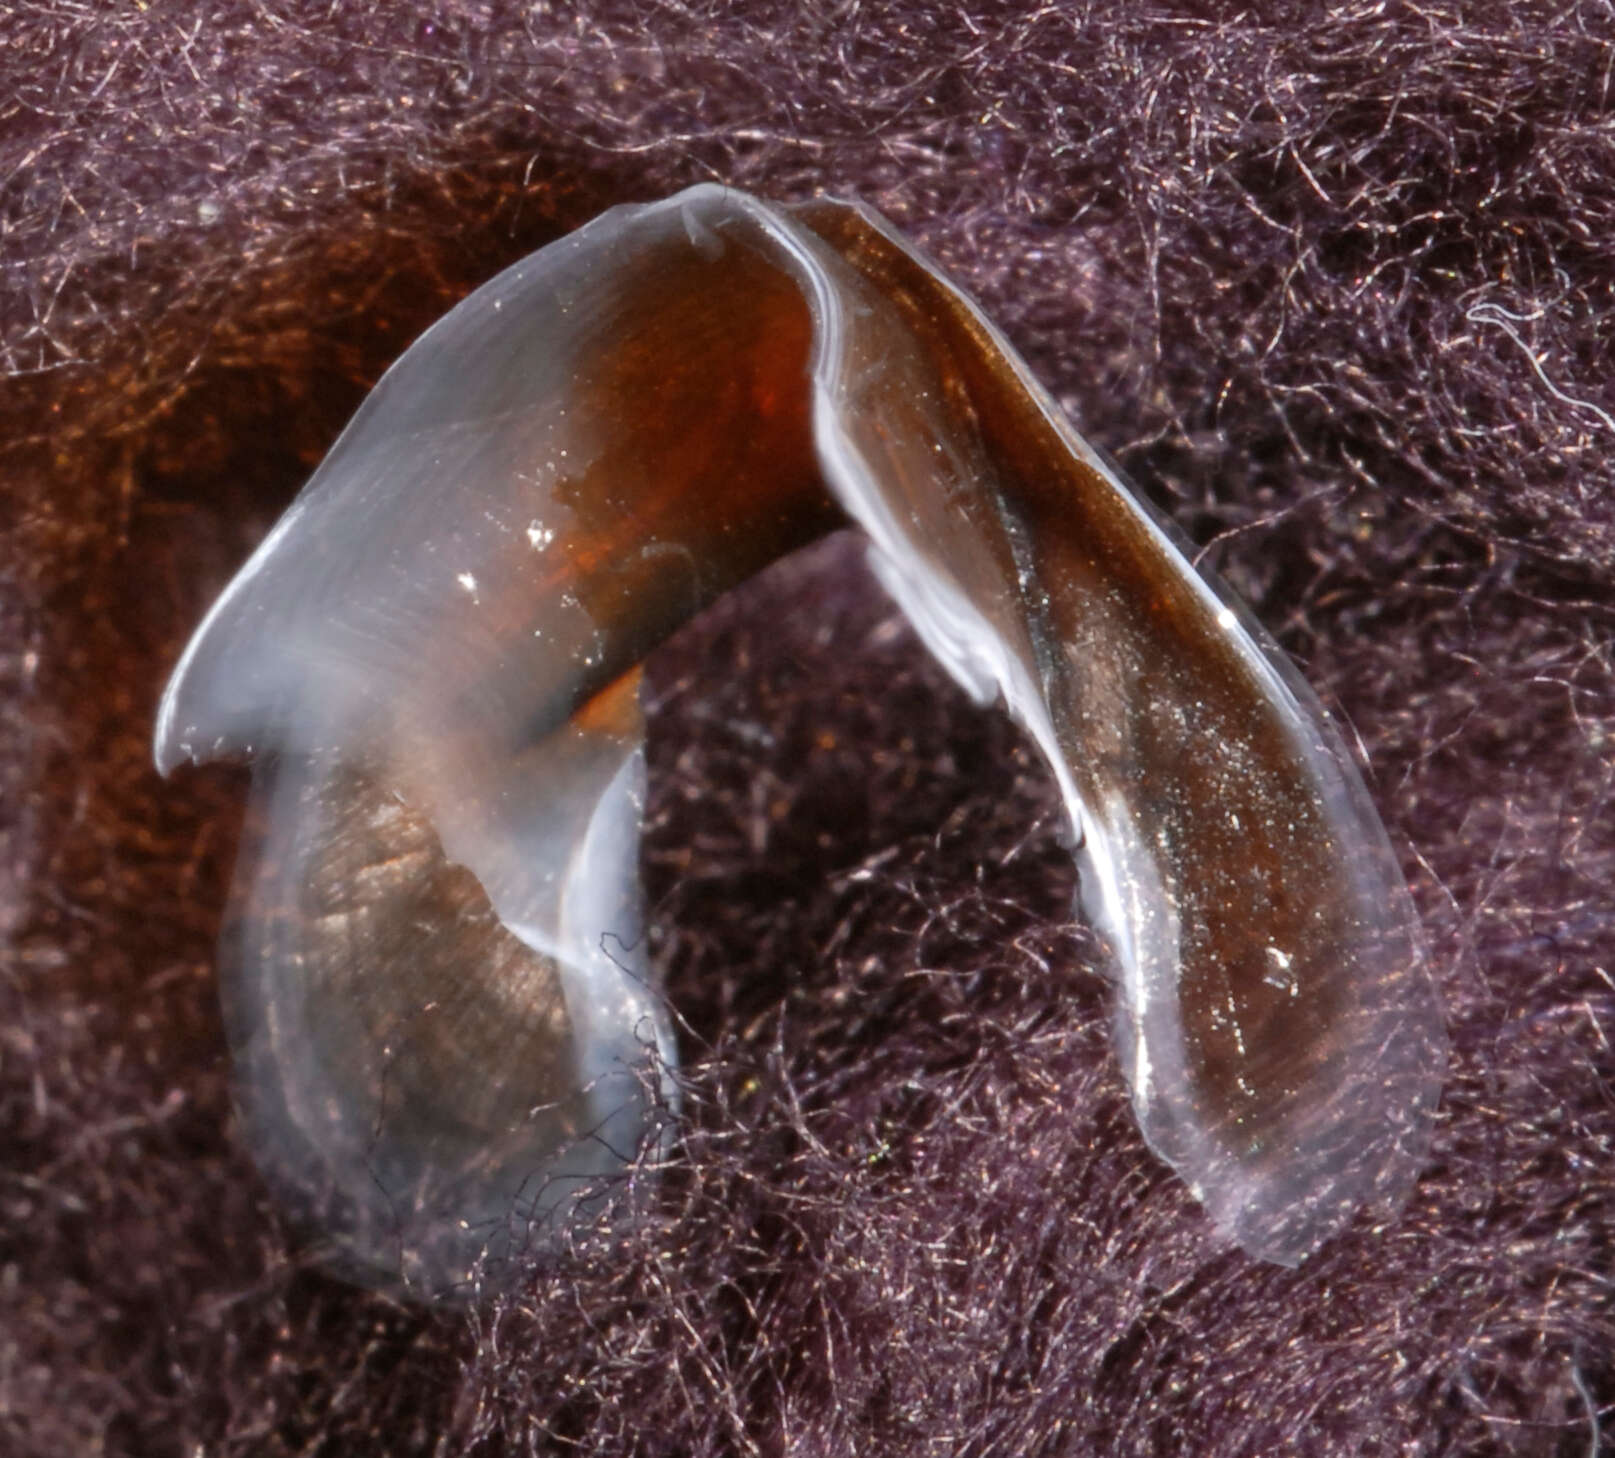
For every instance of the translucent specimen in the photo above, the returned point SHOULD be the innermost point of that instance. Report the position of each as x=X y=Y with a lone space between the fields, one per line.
x=434 y=980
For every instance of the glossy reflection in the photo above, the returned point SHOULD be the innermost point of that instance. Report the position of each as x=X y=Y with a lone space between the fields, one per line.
x=436 y=996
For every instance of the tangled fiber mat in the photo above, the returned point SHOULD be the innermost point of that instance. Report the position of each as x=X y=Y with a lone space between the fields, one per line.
x=1335 y=283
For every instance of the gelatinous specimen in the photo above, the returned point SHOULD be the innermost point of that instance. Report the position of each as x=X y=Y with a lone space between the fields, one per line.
x=434 y=979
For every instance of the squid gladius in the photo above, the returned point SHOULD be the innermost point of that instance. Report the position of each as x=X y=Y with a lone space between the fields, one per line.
x=444 y=1028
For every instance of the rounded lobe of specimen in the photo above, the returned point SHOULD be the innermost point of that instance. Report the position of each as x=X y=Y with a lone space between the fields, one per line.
x=438 y=649
x=365 y=977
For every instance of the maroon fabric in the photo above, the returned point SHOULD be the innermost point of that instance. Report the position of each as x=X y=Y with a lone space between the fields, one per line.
x=1337 y=286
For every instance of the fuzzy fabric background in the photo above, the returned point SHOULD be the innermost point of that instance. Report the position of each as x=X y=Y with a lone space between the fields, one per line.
x=1335 y=283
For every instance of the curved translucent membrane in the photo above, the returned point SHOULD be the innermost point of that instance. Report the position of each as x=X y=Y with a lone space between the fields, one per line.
x=435 y=987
